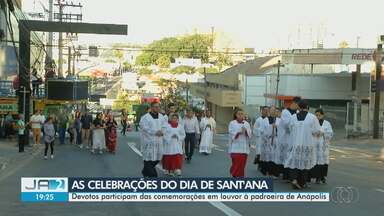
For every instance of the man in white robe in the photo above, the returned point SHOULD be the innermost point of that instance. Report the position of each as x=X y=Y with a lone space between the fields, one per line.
x=269 y=142
x=208 y=128
x=257 y=132
x=284 y=135
x=302 y=157
x=151 y=128
x=320 y=171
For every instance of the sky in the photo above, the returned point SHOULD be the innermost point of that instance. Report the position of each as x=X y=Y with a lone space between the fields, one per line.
x=261 y=24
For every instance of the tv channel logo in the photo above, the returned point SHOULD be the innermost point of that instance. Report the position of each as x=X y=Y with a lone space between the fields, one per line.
x=49 y=184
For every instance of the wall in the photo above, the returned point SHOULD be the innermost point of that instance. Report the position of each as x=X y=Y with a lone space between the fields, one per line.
x=224 y=98
x=331 y=87
x=222 y=116
x=315 y=87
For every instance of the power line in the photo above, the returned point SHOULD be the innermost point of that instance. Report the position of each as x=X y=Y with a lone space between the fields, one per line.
x=189 y=50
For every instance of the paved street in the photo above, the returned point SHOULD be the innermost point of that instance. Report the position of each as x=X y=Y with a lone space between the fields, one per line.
x=348 y=168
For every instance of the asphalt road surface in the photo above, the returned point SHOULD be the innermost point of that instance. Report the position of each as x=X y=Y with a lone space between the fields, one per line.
x=348 y=168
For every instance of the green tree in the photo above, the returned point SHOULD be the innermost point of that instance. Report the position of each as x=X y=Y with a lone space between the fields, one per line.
x=145 y=59
x=182 y=69
x=127 y=66
x=223 y=60
x=123 y=102
x=163 y=61
x=188 y=46
x=207 y=70
x=196 y=46
x=144 y=71
x=118 y=54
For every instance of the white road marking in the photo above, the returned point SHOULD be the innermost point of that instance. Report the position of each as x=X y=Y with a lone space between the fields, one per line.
x=338 y=150
x=133 y=147
x=217 y=149
x=219 y=205
x=225 y=209
x=380 y=190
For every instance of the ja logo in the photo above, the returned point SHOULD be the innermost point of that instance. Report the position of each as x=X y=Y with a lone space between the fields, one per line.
x=46 y=184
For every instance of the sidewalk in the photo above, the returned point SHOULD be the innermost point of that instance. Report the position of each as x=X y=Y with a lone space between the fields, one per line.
x=371 y=146
x=10 y=155
x=363 y=145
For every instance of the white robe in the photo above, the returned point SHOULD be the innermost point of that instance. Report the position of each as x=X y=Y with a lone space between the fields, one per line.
x=98 y=138
x=303 y=153
x=283 y=137
x=269 y=141
x=322 y=143
x=152 y=146
x=257 y=133
x=208 y=127
x=241 y=143
x=173 y=146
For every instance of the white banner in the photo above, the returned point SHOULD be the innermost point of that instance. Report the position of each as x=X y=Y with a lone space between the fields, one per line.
x=199 y=197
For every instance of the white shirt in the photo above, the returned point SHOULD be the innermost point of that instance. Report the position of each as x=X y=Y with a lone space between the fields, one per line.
x=37 y=121
x=191 y=125
x=238 y=143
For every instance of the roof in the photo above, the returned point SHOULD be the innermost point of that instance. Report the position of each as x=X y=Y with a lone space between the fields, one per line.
x=254 y=66
x=229 y=77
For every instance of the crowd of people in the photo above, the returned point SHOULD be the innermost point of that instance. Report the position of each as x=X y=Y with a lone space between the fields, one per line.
x=290 y=143
x=170 y=139
x=293 y=144
x=97 y=134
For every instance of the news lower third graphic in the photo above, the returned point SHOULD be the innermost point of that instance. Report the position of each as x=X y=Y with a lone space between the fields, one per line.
x=72 y=189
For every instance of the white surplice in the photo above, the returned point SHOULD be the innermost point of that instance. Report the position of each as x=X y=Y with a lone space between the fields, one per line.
x=269 y=140
x=257 y=132
x=283 y=137
x=173 y=139
x=323 y=142
x=239 y=143
x=208 y=127
x=152 y=145
x=303 y=153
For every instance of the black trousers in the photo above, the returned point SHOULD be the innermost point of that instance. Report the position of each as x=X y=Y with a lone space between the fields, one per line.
x=190 y=141
x=149 y=169
x=319 y=171
x=47 y=145
x=21 y=142
x=124 y=128
x=302 y=176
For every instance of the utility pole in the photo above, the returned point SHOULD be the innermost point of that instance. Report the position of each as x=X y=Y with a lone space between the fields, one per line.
x=60 y=69
x=213 y=38
x=73 y=61
x=277 y=81
x=376 y=112
x=69 y=59
x=205 y=89
x=187 y=91
x=50 y=34
x=65 y=17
